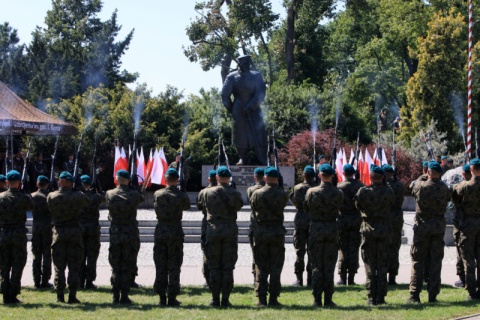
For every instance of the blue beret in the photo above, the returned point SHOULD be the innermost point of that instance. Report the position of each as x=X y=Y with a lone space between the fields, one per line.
x=376 y=169
x=3 y=178
x=259 y=172
x=475 y=162
x=212 y=174
x=272 y=172
x=86 y=179
x=320 y=157
x=309 y=171
x=433 y=165
x=466 y=168
x=348 y=169
x=223 y=172
x=123 y=174
x=443 y=157
x=425 y=164
x=66 y=175
x=43 y=179
x=388 y=168
x=171 y=172
x=326 y=168
x=13 y=175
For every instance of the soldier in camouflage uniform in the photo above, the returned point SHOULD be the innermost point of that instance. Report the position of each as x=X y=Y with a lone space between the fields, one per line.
x=89 y=223
x=122 y=203
x=396 y=220
x=14 y=205
x=323 y=204
x=212 y=182
x=302 y=224
x=169 y=204
x=269 y=238
x=222 y=204
x=258 y=175
x=431 y=198
x=65 y=205
x=374 y=203
x=41 y=235
x=349 y=223
x=467 y=195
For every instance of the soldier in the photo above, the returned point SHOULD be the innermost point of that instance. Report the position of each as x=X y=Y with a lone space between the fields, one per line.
x=169 y=205
x=349 y=223
x=444 y=163
x=14 y=205
x=423 y=177
x=69 y=165
x=374 y=203
x=212 y=182
x=302 y=224
x=18 y=160
x=258 y=174
x=467 y=195
x=269 y=238
x=3 y=184
x=323 y=204
x=431 y=198
x=122 y=203
x=65 y=205
x=35 y=169
x=41 y=235
x=382 y=120
x=222 y=204
x=396 y=220
x=467 y=175
x=90 y=226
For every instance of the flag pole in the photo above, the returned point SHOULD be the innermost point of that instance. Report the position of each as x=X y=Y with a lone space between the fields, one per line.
x=469 y=107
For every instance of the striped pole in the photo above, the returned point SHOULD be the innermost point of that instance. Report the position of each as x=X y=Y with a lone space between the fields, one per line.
x=469 y=107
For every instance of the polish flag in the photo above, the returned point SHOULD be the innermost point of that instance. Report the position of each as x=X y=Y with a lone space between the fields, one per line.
x=141 y=167
x=352 y=155
x=339 y=166
x=384 y=157
x=164 y=162
x=366 y=168
x=344 y=158
x=148 y=169
x=121 y=162
x=157 y=169
x=359 y=165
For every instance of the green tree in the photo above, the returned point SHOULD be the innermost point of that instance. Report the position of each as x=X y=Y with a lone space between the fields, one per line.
x=12 y=60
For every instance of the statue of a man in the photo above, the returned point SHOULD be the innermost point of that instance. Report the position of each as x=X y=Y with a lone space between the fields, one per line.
x=248 y=130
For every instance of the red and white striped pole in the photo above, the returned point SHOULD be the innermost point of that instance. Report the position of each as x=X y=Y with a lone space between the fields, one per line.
x=469 y=107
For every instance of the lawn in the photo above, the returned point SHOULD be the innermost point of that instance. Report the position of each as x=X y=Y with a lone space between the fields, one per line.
x=296 y=302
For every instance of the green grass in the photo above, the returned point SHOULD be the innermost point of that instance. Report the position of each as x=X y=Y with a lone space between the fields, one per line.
x=296 y=302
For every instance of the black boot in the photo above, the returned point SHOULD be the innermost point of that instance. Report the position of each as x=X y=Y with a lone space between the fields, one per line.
x=381 y=300
x=432 y=298
x=72 y=297
x=116 y=296
x=351 y=279
x=328 y=300
x=309 y=279
x=318 y=301
x=215 y=302
x=13 y=298
x=125 y=299
x=262 y=301
x=163 y=300
x=60 y=297
x=6 y=296
x=414 y=298
x=90 y=286
x=299 y=281
x=391 y=280
x=134 y=284
x=173 y=302
x=36 y=283
x=343 y=279
x=461 y=282
x=45 y=284
x=273 y=301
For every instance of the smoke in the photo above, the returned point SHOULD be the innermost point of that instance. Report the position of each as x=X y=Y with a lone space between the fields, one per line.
x=139 y=101
x=456 y=103
x=88 y=109
x=313 y=110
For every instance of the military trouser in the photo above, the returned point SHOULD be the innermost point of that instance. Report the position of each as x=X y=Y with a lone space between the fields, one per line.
x=375 y=257
x=459 y=265
x=470 y=250
x=122 y=255
x=324 y=253
x=168 y=258
x=203 y=240
x=269 y=252
x=427 y=254
x=91 y=250
x=137 y=250
x=42 y=254
x=13 y=257
x=300 y=243
x=395 y=244
x=67 y=251
x=350 y=239
x=222 y=254
x=251 y=232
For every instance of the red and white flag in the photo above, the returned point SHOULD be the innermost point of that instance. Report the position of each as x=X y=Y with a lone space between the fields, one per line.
x=366 y=168
x=359 y=165
x=148 y=169
x=164 y=162
x=339 y=166
x=141 y=167
x=121 y=162
x=157 y=169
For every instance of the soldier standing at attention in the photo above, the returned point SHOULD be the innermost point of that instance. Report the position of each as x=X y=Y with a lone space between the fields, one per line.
x=169 y=205
x=396 y=220
x=323 y=204
x=431 y=198
x=41 y=235
x=89 y=223
x=212 y=182
x=269 y=238
x=65 y=205
x=302 y=225
x=467 y=195
x=258 y=175
x=122 y=203
x=222 y=204
x=374 y=203
x=349 y=223
x=14 y=205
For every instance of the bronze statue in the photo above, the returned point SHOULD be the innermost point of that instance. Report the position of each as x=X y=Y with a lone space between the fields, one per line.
x=248 y=130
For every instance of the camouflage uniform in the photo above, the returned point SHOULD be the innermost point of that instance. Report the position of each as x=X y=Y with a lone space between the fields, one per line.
x=122 y=203
x=222 y=204
x=13 y=240
x=269 y=239
x=300 y=233
x=253 y=222
x=323 y=204
x=349 y=223
x=169 y=204
x=65 y=205
x=374 y=203
x=456 y=232
x=41 y=238
x=203 y=236
x=467 y=195
x=431 y=198
x=90 y=226
x=396 y=220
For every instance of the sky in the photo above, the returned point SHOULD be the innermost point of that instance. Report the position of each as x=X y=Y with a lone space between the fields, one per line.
x=156 y=48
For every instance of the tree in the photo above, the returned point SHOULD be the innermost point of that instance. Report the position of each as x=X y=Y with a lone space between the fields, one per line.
x=12 y=61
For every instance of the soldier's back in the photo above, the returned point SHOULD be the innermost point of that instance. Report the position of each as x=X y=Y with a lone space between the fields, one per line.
x=222 y=204
x=269 y=203
x=349 y=187
x=41 y=213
